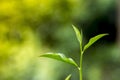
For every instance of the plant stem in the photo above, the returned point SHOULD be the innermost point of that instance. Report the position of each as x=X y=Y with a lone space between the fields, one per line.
x=80 y=71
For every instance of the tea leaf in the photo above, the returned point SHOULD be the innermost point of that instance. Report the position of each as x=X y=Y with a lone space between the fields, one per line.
x=93 y=40
x=78 y=34
x=68 y=77
x=60 y=57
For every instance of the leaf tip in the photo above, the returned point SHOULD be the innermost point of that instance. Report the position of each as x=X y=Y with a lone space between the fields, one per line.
x=68 y=77
x=106 y=34
x=73 y=26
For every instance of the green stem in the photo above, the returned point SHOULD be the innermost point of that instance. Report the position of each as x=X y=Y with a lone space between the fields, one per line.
x=81 y=56
x=80 y=71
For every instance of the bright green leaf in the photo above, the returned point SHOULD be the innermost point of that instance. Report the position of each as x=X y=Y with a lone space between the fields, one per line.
x=60 y=57
x=93 y=40
x=68 y=77
x=78 y=34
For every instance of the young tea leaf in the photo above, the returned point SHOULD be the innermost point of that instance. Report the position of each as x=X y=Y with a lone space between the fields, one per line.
x=93 y=40
x=60 y=57
x=78 y=34
x=68 y=77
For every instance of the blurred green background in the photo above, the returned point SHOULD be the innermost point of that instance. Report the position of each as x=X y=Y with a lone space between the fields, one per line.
x=29 y=28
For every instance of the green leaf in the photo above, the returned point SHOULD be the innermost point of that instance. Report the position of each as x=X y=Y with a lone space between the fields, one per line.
x=93 y=40
x=68 y=77
x=60 y=57
x=78 y=34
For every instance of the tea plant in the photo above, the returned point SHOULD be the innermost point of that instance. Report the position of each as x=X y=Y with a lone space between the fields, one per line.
x=63 y=58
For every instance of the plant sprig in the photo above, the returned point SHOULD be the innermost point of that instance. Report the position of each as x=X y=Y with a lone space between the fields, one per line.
x=63 y=58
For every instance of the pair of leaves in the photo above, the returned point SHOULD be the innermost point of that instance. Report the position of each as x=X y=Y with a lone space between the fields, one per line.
x=91 y=41
x=63 y=58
